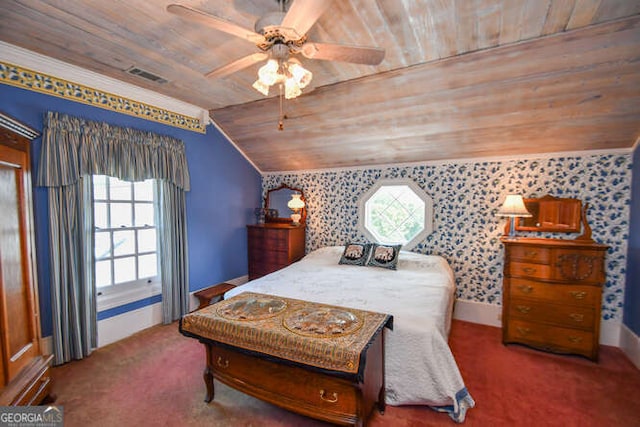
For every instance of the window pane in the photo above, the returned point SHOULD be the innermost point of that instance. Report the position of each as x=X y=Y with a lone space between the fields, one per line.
x=120 y=215
x=103 y=273
x=125 y=269
x=143 y=190
x=147 y=240
x=124 y=242
x=119 y=190
x=100 y=187
x=100 y=218
x=147 y=266
x=102 y=245
x=144 y=214
x=395 y=214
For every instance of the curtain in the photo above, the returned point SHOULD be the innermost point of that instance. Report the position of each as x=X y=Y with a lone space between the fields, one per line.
x=72 y=151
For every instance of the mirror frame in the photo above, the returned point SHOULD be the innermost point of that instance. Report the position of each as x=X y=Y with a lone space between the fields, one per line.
x=552 y=214
x=285 y=220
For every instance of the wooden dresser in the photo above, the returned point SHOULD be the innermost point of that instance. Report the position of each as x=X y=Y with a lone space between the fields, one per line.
x=24 y=370
x=273 y=246
x=552 y=294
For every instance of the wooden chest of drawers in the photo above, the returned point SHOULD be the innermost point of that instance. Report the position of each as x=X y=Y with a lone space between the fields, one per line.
x=273 y=246
x=552 y=294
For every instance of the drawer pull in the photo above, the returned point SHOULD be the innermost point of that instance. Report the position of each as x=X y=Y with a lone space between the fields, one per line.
x=223 y=363
x=574 y=340
x=576 y=317
x=332 y=399
x=529 y=270
x=523 y=308
x=523 y=331
x=525 y=289
x=578 y=294
x=530 y=253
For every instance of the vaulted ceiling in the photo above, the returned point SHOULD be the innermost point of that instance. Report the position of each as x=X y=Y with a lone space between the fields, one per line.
x=460 y=78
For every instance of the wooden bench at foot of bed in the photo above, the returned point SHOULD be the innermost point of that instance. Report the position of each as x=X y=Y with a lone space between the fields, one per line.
x=337 y=379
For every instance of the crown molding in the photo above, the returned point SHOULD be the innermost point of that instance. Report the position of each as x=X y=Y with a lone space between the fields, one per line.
x=18 y=66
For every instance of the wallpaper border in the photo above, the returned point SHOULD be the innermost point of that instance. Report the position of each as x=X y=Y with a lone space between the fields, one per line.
x=25 y=78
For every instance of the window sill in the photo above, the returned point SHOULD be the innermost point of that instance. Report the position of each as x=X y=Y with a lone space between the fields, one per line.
x=112 y=298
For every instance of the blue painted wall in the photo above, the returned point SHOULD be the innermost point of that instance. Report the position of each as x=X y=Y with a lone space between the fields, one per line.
x=224 y=190
x=632 y=291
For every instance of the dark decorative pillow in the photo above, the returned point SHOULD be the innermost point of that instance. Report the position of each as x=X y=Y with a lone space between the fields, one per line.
x=385 y=256
x=355 y=254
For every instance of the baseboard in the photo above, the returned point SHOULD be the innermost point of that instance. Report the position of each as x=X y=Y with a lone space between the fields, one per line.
x=478 y=312
x=193 y=301
x=610 y=333
x=491 y=315
x=630 y=345
x=123 y=325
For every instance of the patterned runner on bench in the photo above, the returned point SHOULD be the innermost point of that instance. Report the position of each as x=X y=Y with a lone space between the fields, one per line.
x=313 y=334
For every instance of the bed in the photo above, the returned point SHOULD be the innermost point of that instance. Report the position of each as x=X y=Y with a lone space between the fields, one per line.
x=419 y=366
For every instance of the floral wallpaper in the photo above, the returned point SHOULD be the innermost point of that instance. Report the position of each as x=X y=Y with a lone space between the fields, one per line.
x=466 y=196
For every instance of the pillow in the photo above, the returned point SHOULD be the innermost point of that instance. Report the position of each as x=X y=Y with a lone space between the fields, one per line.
x=385 y=256
x=355 y=254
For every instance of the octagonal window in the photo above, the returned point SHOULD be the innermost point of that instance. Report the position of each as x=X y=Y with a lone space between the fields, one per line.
x=396 y=213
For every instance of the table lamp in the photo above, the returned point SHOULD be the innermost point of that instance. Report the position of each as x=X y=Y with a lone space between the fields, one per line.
x=295 y=204
x=512 y=208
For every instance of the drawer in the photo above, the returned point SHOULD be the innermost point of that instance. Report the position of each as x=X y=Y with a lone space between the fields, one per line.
x=554 y=338
x=530 y=254
x=581 y=295
x=578 y=266
x=270 y=240
x=561 y=315
x=287 y=386
x=526 y=269
x=271 y=257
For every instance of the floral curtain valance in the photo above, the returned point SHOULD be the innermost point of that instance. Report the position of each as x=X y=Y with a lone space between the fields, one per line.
x=73 y=147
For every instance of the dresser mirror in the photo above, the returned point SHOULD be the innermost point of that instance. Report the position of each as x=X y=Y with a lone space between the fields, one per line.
x=275 y=202
x=552 y=214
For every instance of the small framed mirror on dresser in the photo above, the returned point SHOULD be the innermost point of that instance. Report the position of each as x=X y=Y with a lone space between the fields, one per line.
x=552 y=288
x=276 y=204
x=551 y=214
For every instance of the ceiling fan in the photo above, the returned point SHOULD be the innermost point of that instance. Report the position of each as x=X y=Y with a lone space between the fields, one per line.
x=279 y=36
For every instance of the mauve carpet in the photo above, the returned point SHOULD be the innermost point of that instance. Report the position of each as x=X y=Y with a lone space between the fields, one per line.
x=154 y=378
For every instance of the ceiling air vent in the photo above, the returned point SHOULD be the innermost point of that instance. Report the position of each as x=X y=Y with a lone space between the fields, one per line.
x=146 y=75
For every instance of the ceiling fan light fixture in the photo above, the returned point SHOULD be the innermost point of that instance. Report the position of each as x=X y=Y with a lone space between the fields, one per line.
x=301 y=75
x=291 y=88
x=290 y=72
x=268 y=74
x=261 y=87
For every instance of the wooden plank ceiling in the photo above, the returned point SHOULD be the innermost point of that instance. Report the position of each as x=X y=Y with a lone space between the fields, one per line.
x=460 y=79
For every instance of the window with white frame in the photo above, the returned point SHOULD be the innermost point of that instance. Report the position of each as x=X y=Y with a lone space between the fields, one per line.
x=126 y=252
x=396 y=212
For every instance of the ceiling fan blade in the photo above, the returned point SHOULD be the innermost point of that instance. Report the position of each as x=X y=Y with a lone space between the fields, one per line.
x=303 y=14
x=237 y=65
x=344 y=53
x=214 y=22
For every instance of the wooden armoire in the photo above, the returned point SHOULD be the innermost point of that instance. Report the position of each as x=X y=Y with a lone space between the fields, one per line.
x=24 y=370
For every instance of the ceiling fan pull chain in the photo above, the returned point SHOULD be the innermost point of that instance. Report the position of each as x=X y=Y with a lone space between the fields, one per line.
x=281 y=118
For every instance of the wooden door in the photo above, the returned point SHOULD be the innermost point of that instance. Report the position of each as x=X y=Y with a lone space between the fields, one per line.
x=18 y=313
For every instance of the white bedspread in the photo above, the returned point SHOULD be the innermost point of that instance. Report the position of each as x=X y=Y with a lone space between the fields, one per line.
x=419 y=366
